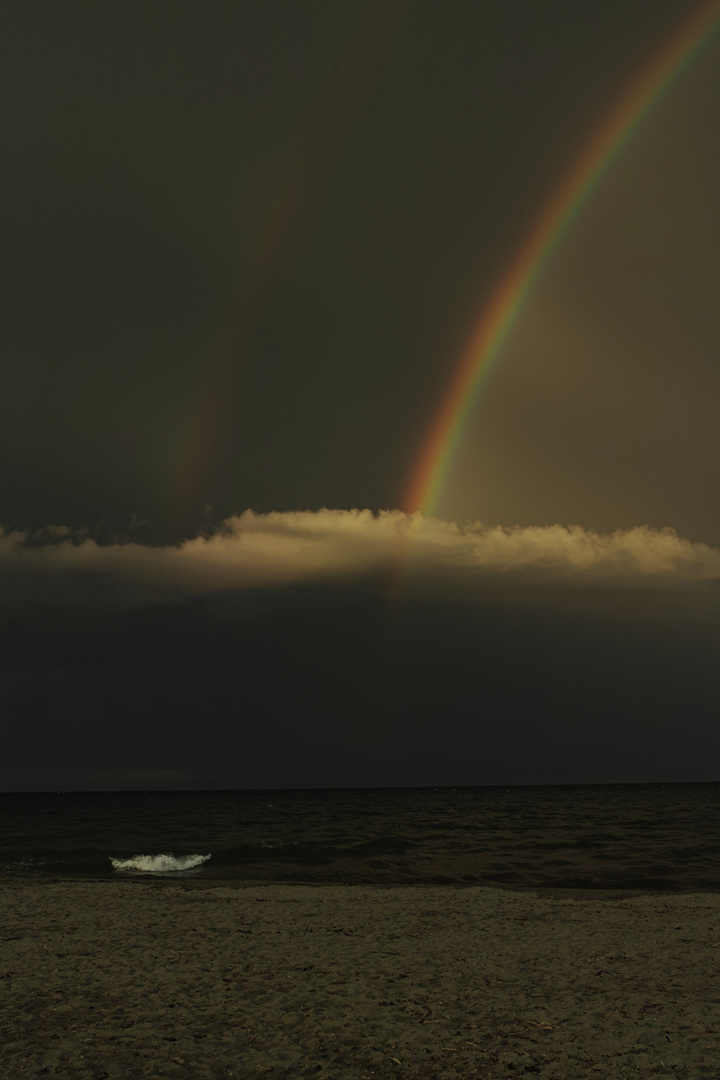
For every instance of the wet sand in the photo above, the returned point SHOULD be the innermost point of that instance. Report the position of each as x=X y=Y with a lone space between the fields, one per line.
x=126 y=979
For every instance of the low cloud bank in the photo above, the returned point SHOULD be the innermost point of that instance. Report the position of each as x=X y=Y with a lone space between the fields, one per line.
x=407 y=552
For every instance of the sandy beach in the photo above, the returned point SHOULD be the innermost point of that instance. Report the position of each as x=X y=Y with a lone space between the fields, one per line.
x=126 y=978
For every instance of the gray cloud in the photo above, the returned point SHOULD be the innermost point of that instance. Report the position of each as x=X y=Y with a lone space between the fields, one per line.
x=411 y=553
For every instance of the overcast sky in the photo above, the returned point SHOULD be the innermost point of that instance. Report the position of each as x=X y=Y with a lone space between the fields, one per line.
x=244 y=245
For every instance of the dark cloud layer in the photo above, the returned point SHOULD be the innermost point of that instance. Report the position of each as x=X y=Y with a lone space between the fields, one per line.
x=282 y=652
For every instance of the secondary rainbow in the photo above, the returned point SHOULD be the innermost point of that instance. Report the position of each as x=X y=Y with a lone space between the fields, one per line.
x=501 y=312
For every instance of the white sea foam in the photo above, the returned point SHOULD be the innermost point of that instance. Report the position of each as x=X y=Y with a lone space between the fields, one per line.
x=167 y=863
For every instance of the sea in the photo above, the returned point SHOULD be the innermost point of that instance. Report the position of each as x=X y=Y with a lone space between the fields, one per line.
x=648 y=837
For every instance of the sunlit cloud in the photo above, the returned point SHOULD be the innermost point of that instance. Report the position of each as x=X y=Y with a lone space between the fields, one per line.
x=409 y=552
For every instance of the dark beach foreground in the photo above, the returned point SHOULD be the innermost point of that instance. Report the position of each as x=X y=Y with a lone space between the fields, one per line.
x=124 y=979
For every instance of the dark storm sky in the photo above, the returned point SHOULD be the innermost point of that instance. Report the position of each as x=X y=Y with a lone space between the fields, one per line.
x=244 y=244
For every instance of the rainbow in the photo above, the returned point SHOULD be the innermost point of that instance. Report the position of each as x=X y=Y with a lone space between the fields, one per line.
x=507 y=301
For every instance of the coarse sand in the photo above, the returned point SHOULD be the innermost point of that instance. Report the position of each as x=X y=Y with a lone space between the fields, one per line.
x=143 y=978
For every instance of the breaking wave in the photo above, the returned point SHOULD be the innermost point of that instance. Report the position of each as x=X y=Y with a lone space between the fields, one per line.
x=166 y=863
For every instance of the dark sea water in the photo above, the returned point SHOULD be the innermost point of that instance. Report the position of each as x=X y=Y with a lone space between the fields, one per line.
x=628 y=836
